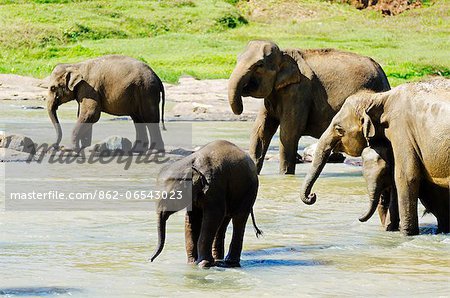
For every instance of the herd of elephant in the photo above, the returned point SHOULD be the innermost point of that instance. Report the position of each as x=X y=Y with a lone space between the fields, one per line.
x=342 y=98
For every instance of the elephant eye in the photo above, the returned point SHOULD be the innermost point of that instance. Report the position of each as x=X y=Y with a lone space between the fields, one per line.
x=53 y=88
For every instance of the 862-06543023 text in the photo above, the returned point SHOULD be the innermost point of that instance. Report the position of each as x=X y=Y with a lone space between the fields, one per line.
x=152 y=195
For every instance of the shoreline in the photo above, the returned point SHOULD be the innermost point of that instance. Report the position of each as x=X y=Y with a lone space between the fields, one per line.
x=189 y=100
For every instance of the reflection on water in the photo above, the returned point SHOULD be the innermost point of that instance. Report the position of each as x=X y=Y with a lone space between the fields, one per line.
x=306 y=250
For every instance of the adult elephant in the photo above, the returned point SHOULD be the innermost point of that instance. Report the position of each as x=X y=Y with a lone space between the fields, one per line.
x=302 y=91
x=114 y=84
x=378 y=171
x=217 y=184
x=414 y=120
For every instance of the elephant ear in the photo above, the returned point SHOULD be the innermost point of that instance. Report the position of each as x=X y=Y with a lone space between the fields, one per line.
x=199 y=180
x=368 y=127
x=372 y=115
x=288 y=73
x=73 y=78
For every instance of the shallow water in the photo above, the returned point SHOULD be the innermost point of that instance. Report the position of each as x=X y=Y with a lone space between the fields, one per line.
x=306 y=250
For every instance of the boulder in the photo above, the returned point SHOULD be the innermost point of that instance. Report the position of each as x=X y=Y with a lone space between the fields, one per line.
x=353 y=161
x=181 y=151
x=308 y=155
x=112 y=144
x=10 y=155
x=18 y=143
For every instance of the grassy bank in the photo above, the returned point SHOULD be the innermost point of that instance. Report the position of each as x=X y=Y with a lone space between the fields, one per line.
x=203 y=37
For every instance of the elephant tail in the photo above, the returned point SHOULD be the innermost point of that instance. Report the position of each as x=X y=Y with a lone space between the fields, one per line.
x=257 y=230
x=163 y=103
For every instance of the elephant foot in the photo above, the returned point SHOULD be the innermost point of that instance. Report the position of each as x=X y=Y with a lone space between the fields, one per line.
x=445 y=229
x=205 y=264
x=391 y=227
x=140 y=148
x=410 y=232
x=191 y=261
x=230 y=263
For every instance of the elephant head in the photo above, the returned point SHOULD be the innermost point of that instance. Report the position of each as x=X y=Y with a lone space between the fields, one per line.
x=187 y=181
x=260 y=69
x=348 y=132
x=63 y=82
x=379 y=178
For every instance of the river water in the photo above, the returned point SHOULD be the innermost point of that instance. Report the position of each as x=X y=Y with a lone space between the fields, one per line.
x=318 y=250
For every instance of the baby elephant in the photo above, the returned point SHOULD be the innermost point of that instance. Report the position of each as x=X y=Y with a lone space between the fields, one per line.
x=218 y=183
x=379 y=176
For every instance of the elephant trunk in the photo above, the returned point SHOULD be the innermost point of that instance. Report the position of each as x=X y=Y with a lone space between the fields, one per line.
x=326 y=143
x=238 y=79
x=374 y=194
x=52 y=107
x=162 y=219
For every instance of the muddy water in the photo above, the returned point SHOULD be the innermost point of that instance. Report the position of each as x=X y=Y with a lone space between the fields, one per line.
x=306 y=250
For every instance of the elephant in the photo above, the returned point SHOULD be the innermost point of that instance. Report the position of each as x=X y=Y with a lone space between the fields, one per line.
x=302 y=91
x=379 y=175
x=114 y=84
x=413 y=119
x=219 y=183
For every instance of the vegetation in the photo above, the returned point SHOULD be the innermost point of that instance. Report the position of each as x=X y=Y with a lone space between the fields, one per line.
x=203 y=37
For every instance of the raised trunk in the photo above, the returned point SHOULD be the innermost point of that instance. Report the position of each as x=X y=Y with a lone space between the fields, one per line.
x=52 y=106
x=326 y=143
x=236 y=83
x=162 y=219
x=374 y=195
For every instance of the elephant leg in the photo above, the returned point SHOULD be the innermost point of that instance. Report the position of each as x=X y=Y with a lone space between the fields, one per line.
x=443 y=221
x=290 y=134
x=213 y=215
x=383 y=206
x=392 y=219
x=141 y=144
x=193 y=222
x=263 y=130
x=157 y=142
x=150 y=115
x=219 y=241
x=407 y=182
x=436 y=200
x=234 y=253
x=89 y=114
x=444 y=212
x=86 y=140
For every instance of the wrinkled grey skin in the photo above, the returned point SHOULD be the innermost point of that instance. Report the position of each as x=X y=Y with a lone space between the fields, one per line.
x=114 y=84
x=224 y=183
x=413 y=118
x=379 y=175
x=302 y=91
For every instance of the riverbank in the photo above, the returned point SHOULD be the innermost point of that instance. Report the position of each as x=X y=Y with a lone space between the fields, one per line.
x=189 y=100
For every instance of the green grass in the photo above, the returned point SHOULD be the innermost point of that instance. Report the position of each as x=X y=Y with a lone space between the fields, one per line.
x=203 y=37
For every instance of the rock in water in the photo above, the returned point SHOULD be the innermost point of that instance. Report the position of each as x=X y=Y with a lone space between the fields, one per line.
x=308 y=153
x=17 y=142
x=9 y=155
x=112 y=144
